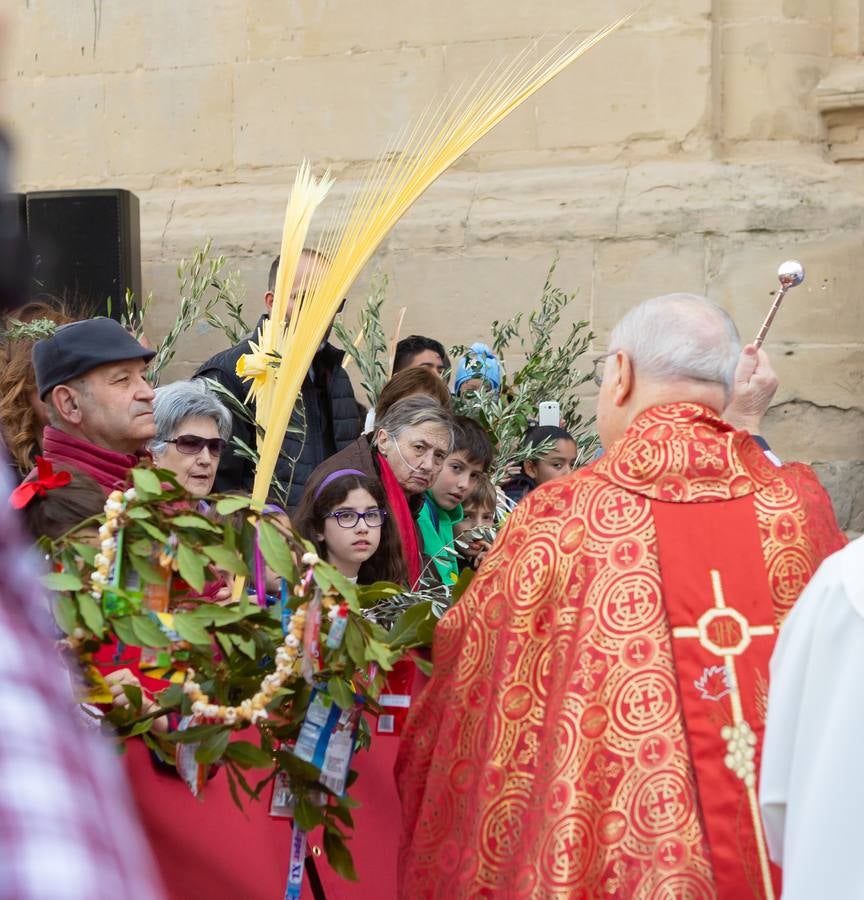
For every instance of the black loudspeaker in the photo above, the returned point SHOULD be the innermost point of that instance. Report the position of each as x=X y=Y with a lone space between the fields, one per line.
x=86 y=248
x=15 y=262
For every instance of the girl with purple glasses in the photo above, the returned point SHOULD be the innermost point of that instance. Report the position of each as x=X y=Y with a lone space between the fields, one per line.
x=347 y=518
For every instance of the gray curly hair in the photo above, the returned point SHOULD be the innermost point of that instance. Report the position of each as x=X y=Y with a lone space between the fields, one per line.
x=182 y=400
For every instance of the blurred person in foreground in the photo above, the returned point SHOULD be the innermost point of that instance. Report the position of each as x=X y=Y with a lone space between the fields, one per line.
x=595 y=715
x=811 y=791
x=68 y=830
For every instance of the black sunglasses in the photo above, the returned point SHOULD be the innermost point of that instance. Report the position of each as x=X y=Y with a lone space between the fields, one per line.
x=191 y=443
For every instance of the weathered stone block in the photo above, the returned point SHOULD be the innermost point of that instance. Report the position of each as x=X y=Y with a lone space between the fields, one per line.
x=844 y=481
x=830 y=377
x=768 y=96
x=551 y=205
x=315 y=27
x=772 y=9
x=285 y=111
x=168 y=121
x=479 y=288
x=825 y=310
x=627 y=272
x=804 y=431
x=628 y=89
x=53 y=38
x=760 y=41
x=57 y=124
x=74 y=37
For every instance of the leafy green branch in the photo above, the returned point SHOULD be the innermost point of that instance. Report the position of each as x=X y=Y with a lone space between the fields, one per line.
x=366 y=345
x=203 y=287
x=553 y=370
x=165 y=542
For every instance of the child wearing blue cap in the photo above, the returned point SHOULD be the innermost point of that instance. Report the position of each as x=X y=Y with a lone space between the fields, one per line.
x=479 y=368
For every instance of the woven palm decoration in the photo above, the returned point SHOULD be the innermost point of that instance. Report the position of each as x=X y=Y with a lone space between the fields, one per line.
x=283 y=354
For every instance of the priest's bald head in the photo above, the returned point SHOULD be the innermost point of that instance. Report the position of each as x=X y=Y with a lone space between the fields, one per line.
x=674 y=348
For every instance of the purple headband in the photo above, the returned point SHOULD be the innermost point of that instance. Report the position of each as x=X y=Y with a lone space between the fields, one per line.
x=333 y=476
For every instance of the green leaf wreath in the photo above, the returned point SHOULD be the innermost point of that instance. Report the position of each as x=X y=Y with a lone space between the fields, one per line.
x=220 y=658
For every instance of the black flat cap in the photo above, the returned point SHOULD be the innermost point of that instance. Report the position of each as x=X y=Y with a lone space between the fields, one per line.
x=77 y=348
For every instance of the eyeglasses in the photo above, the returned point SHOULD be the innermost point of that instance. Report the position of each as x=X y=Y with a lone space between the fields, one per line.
x=599 y=366
x=192 y=443
x=348 y=518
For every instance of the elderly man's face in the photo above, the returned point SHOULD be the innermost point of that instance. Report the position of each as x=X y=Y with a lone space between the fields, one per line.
x=115 y=402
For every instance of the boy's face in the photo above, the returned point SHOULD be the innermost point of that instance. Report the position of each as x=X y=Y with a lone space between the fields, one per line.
x=558 y=462
x=475 y=517
x=456 y=481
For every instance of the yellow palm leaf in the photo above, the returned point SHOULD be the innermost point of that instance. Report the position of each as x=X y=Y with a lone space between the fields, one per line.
x=438 y=138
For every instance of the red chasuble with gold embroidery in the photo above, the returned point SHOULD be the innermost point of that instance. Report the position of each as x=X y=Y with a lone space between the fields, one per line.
x=594 y=721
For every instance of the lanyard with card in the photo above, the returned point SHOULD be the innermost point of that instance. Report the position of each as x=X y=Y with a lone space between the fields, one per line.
x=326 y=739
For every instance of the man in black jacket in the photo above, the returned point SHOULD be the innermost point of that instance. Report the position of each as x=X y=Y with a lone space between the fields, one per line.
x=328 y=406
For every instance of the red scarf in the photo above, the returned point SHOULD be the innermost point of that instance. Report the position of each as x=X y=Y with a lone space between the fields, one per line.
x=109 y=468
x=404 y=520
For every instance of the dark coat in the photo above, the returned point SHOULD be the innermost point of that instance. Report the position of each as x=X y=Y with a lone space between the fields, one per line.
x=331 y=412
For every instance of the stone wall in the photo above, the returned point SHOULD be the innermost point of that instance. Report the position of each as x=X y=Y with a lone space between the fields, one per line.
x=695 y=149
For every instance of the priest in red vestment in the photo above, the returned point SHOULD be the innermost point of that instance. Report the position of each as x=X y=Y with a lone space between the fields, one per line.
x=594 y=722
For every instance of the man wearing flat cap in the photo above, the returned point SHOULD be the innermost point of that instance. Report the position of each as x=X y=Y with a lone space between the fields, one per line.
x=92 y=376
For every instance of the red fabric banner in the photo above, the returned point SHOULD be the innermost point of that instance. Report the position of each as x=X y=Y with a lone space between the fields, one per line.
x=723 y=628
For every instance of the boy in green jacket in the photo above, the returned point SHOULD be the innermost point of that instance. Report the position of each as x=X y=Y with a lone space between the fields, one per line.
x=442 y=508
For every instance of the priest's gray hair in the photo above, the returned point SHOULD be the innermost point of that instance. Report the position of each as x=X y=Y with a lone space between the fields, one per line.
x=413 y=412
x=680 y=336
x=182 y=400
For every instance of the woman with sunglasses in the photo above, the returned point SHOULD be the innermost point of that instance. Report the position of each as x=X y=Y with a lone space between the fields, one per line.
x=346 y=517
x=192 y=430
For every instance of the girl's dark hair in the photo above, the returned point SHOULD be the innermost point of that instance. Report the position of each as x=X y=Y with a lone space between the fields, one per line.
x=387 y=563
x=62 y=508
x=540 y=434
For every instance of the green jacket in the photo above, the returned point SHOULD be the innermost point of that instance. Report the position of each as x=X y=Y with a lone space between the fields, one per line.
x=436 y=527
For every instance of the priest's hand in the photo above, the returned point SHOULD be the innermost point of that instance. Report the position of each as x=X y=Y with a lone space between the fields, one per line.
x=753 y=390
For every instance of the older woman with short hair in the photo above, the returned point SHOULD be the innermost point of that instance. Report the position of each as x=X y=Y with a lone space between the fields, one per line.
x=406 y=451
x=192 y=430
